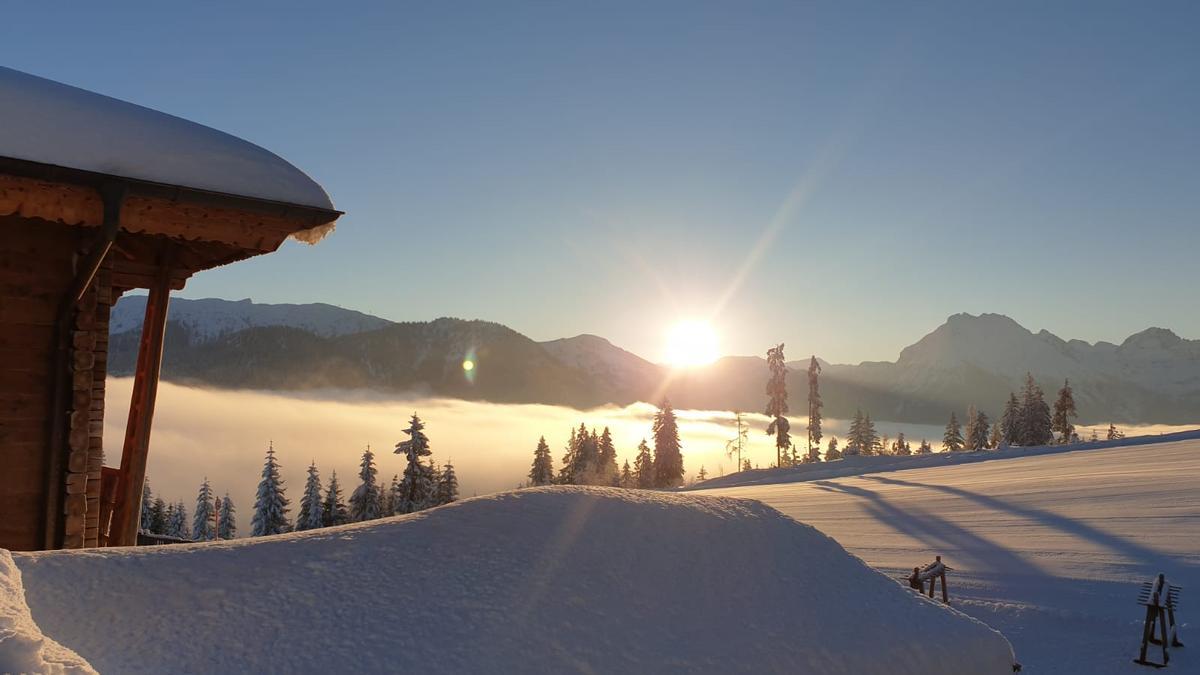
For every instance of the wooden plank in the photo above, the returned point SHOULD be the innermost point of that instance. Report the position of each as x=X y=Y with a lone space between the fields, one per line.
x=141 y=413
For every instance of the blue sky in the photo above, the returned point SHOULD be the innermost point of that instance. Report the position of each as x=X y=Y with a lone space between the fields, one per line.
x=837 y=176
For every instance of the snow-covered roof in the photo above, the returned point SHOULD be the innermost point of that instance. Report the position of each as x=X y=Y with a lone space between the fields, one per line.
x=52 y=123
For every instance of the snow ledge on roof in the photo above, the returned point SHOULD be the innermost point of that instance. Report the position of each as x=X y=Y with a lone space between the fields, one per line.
x=51 y=123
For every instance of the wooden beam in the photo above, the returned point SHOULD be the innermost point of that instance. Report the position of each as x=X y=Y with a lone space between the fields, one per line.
x=141 y=412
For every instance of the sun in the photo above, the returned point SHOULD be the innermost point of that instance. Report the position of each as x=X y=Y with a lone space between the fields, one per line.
x=691 y=343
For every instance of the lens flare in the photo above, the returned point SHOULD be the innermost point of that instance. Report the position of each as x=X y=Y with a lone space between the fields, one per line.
x=470 y=365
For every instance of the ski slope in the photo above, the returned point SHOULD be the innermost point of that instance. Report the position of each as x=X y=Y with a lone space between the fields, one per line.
x=553 y=580
x=1047 y=549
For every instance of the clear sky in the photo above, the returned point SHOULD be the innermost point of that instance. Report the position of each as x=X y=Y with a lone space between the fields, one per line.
x=837 y=176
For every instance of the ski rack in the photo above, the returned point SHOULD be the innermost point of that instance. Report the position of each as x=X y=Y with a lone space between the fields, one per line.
x=1160 y=600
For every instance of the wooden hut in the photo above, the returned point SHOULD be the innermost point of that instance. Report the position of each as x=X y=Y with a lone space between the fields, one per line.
x=99 y=197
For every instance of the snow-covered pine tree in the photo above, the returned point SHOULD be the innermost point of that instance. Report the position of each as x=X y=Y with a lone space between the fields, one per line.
x=204 y=521
x=587 y=458
x=1035 y=415
x=542 y=471
x=777 y=405
x=364 y=501
x=447 y=486
x=1064 y=412
x=414 y=487
x=738 y=443
x=179 y=522
x=627 y=480
x=814 y=411
x=901 y=447
x=145 y=518
x=995 y=437
x=969 y=432
x=333 y=509
x=169 y=524
x=433 y=476
x=1114 y=434
x=924 y=448
x=746 y=465
x=832 y=452
x=390 y=496
x=607 y=460
x=309 y=517
x=870 y=438
x=643 y=467
x=1010 y=422
x=952 y=440
x=884 y=446
x=702 y=476
x=271 y=502
x=668 y=456
x=227 y=519
x=855 y=435
x=983 y=425
x=566 y=473
x=158 y=516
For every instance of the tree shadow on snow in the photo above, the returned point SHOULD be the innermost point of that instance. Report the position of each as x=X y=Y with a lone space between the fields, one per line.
x=1143 y=556
x=938 y=534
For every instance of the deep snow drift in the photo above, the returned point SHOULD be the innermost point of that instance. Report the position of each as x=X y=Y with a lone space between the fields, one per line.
x=1048 y=549
x=544 y=579
x=23 y=647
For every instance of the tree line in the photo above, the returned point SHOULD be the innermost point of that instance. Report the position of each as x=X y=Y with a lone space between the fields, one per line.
x=591 y=458
x=424 y=485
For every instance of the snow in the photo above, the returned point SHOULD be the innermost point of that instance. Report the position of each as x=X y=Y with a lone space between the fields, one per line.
x=1049 y=548
x=52 y=123
x=23 y=647
x=211 y=318
x=860 y=465
x=539 y=580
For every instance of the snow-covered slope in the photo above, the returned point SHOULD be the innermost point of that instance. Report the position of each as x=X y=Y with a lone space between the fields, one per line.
x=52 y=123
x=211 y=318
x=541 y=580
x=1050 y=549
x=23 y=647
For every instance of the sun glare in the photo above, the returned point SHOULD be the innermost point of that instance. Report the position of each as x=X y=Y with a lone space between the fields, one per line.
x=691 y=343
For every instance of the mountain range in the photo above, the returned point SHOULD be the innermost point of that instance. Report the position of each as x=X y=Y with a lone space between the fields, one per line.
x=1153 y=377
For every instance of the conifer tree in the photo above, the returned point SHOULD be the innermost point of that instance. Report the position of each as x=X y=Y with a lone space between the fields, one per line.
x=901 y=447
x=227 y=519
x=607 y=460
x=1010 y=421
x=884 y=446
x=855 y=435
x=415 y=488
x=390 y=496
x=1035 y=425
x=814 y=411
x=777 y=405
x=924 y=448
x=309 y=517
x=158 y=516
x=271 y=503
x=952 y=441
x=566 y=473
x=364 y=501
x=870 y=438
x=832 y=452
x=995 y=437
x=169 y=520
x=447 y=484
x=739 y=440
x=542 y=471
x=703 y=475
x=746 y=465
x=333 y=510
x=204 y=522
x=969 y=432
x=146 y=517
x=668 y=455
x=178 y=527
x=1114 y=434
x=627 y=480
x=1064 y=412
x=643 y=467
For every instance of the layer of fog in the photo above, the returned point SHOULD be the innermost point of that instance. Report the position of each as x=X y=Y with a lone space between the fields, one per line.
x=223 y=435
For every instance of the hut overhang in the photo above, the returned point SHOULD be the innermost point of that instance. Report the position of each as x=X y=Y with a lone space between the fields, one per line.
x=98 y=197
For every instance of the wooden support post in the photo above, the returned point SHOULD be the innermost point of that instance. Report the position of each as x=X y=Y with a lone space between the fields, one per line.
x=141 y=411
x=945 y=593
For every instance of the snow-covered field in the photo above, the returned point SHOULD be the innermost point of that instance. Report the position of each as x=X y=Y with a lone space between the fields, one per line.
x=1049 y=549
x=541 y=580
